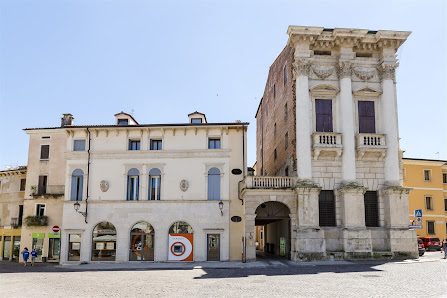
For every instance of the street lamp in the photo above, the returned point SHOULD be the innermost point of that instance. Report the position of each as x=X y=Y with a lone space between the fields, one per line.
x=76 y=207
x=221 y=207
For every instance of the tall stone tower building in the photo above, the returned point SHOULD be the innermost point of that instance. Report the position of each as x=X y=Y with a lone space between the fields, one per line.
x=328 y=149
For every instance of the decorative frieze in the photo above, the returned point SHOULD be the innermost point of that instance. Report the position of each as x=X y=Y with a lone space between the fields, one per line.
x=322 y=72
x=301 y=67
x=364 y=74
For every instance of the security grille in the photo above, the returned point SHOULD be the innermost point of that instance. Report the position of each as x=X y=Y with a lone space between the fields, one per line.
x=371 y=209
x=326 y=205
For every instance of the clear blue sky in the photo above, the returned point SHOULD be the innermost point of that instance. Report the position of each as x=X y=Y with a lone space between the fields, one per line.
x=165 y=59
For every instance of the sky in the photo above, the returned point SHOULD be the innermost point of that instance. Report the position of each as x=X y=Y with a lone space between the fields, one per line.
x=161 y=60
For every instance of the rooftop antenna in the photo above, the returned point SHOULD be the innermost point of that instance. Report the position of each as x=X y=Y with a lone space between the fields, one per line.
x=132 y=111
x=438 y=154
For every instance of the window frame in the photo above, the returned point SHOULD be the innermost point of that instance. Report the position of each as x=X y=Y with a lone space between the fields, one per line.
x=429 y=171
x=150 y=185
x=434 y=227
x=431 y=201
x=370 y=221
x=445 y=204
x=122 y=119
x=79 y=186
x=49 y=152
x=286 y=111
x=44 y=209
x=314 y=102
x=131 y=141
x=208 y=178
x=193 y=119
x=22 y=184
x=444 y=178
x=327 y=222
x=210 y=139
x=286 y=140
x=285 y=74
x=74 y=145
x=275 y=154
x=158 y=141
x=375 y=117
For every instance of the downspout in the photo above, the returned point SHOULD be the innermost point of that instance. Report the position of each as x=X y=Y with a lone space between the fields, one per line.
x=88 y=173
x=243 y=166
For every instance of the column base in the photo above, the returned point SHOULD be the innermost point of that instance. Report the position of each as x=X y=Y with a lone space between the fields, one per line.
x=357 y=243
x=403 y=243
x=310 y=245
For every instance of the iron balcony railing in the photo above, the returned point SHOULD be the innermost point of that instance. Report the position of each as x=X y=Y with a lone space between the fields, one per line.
x=47 y=190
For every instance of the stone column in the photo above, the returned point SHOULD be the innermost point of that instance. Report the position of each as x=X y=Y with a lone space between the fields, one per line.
x=310 y=243
x=356 y=238
x=347 y=122
x=401 y=240
x=250 y=245
x=303 y=119
x=389 y=124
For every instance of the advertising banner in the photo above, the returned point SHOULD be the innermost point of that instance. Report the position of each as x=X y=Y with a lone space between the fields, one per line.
x=180 y=247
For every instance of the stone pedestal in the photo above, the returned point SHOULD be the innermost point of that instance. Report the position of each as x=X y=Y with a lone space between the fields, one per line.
x=250 y=245
x=310 y=243
x=403 y=243
x=357 y=243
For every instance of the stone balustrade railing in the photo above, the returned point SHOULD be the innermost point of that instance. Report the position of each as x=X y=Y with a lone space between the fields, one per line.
x=370 y=140
x=269 y=182
x=326 y=138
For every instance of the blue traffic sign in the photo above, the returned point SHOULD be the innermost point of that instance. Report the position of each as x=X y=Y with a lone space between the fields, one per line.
x=418 y=213
x=415 y=227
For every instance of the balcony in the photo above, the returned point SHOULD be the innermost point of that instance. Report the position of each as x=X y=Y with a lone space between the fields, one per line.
x=327 y=145
x=266 y=182
x=48 y=190
x=371 y=146
x=36 y=221
x=15 y=222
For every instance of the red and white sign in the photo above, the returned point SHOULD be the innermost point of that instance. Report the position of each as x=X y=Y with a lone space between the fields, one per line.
x=56 y=229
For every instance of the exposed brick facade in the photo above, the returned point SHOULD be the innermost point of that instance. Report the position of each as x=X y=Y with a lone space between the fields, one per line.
x=271 y=111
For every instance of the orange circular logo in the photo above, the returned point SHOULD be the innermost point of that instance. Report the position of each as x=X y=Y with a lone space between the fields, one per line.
x=178 y=254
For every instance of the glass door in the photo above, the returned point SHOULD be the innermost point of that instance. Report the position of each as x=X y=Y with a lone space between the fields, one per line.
x=16 y=248
x=6 y=247
x=38 y=246
x=142 y=247
x=54 y=249
x=213 y=247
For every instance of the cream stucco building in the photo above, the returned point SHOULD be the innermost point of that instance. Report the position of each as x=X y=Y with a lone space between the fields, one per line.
x=329 y=166
x=137 y=192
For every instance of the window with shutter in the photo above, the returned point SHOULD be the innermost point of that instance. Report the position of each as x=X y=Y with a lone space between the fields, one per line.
x=326 y=208
x=367 y=121
x=371 y=209
x=44 y=152
x=214 y=184
x=323 y=114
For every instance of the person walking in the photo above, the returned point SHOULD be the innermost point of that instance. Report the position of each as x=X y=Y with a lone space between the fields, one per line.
x=25 y=254
x=33 y=256
x=444 y=247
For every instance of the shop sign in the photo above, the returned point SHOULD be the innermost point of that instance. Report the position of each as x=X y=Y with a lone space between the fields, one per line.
x=38 y=235
x=54 y=235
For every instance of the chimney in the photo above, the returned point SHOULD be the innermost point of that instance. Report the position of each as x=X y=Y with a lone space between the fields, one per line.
x=67 y=120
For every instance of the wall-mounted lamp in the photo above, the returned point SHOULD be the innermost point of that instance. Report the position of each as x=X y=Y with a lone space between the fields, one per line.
x=77 y=206
x=221 y=207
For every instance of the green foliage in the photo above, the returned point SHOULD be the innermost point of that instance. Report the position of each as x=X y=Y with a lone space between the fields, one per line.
x=36 y=220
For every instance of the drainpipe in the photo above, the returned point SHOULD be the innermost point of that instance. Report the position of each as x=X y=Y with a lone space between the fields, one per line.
x=88 y=173
x=243 y=166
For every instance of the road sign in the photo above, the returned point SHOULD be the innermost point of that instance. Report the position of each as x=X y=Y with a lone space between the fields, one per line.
x=418 y=213
x=415 y=226
x=56 y=229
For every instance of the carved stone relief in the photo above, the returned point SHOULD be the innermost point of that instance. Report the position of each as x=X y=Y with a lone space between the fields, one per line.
x=301 y=67
x=183 y=185
x=364 y=74
x=344 y=69
x=388 y=71
x=104 y=185
x=322 y=72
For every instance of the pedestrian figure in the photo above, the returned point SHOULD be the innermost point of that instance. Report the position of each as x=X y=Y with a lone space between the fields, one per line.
x=25 y=254
x=33 y=256
x=444 y=247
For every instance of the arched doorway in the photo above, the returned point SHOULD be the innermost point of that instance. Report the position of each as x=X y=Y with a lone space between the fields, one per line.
x=272 y=228
x=181 y=240
x=142 y=242
x=104 y=242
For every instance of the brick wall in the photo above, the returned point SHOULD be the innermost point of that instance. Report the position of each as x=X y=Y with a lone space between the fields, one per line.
x=271 y=111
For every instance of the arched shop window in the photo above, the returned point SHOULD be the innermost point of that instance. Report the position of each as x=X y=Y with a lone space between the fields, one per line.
x=133 y=184
x=214 y=184
x=77 y=181
x=180 y=227
x=142 y=242
x=154 y=184
x=104 y=242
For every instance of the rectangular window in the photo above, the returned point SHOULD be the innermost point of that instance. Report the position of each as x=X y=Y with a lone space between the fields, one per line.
x=45 y=138
x=444 y=178
x=430 y=227
x=44 y=152
x=196 y=120
x=134 y=144
x=266 y=108
x=445 y=205
x=367 y=120
x=42 y=187
x=427 y=175
x=371 y=209
x=326 y=208
x=286 y=140
x=40 y=209
x=287 y=171
x=275 y=155
x=429 y=203
x=133 y=185
x=323 y=115
x=22 y=184
x=214 y=143
x=274 y=129
x=285 y=75
x=156 y=145
x=74 y=250
x=274 y=91
x=285 y=112
x=404 y=174
x=123 y=122
x=79 y=145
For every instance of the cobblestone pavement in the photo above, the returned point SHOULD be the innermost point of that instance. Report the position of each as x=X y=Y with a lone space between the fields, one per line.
x=270 y=278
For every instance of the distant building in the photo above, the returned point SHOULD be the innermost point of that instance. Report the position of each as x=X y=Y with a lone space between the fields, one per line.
x=12 y=188
x=428 y=181
x=328 y=164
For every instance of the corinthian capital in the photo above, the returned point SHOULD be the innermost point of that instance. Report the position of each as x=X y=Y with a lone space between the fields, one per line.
x=344 y=69
x=301 y=67
x=388 y=71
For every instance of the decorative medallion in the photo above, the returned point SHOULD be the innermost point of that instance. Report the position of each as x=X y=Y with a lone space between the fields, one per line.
x=364 y=74
x=322 y=71
x=104 y=185
x=183 y=185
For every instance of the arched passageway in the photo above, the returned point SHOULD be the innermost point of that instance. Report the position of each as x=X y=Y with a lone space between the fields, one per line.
x=272 y=228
